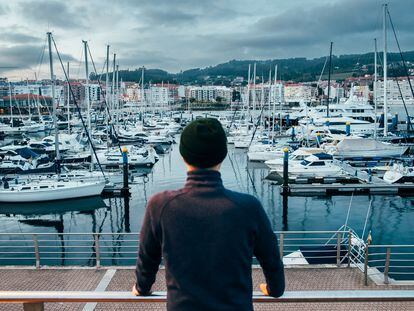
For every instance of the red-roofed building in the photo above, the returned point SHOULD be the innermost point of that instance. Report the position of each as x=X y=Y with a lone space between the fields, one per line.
x=24 y=101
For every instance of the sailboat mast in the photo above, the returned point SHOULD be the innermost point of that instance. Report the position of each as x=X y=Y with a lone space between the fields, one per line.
x=329 y=80
x=87 y=98
x=142 y=90
x=117 y=95
x=11 y=105
x=28 y=99
x=375 y=87
x=385 y=71
x=248 y=88
x=68 y=104
x=107 y=94
x=52 y=77
x=113 y=84
x=269 y=103
x=254 y=88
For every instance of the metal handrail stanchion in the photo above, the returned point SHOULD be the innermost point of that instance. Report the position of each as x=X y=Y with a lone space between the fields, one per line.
x=338 y=249
x=97 y=252
x=349 y=247
x=281 y=244
x=36 y=249
x=387 y=265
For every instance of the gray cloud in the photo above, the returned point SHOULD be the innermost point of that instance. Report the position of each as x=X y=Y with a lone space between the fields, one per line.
x=55 y=13
x=17 y=37
x=180 y=34
x=27 y=56
x=3 y=9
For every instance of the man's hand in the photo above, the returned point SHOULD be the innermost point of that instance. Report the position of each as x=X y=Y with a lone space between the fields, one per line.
x=263 y=288
x=135 y=292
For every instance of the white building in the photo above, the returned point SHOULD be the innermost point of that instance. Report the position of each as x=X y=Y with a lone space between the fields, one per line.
x=94 y=92
x=46 y=90
x=181 y=91
x=26 y=89
x=38 y=89
x=297 y=92
x=393 y=92
x=133 y=92
x=157 y=95
x=264 y=93
x=336 y=92
x=210 y=93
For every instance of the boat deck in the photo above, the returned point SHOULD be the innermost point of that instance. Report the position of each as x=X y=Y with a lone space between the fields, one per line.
x=298 y=279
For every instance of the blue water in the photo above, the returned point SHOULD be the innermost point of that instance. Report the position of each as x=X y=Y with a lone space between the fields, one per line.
x=391 y=219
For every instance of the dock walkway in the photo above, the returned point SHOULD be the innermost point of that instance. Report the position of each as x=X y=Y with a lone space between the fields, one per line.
x=121 y=279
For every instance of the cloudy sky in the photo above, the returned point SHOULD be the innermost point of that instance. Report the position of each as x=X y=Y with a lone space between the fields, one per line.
x=180 y=34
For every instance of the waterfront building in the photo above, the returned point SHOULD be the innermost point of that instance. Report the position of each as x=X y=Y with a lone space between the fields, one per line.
x=336 y=91
x=4 y=87
x=78 y=89
x=271 y=93
x=393 y=92
x=133 y=91
x=297 y=92
x=210 y=93
x=22 y=102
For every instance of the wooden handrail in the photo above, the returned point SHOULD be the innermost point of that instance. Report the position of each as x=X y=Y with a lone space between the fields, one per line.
x=28 y=297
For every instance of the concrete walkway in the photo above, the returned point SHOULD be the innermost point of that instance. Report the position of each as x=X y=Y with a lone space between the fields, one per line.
x=122 y=280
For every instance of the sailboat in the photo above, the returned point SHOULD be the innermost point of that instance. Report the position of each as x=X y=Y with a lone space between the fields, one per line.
x=51 y=189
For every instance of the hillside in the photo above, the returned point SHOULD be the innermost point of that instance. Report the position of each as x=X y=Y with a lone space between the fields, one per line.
x=295 y=69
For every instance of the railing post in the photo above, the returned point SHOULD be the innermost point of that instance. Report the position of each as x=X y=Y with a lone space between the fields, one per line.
x=281 y=245
x=36 y=249
x=366 y=264
x=349 y=247
x=387 y=265
x=97 y=252
x=338 y=250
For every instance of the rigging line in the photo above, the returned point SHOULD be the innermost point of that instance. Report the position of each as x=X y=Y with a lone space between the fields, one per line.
x=402 y=98
x=40 y=62
x=234 y=170
x=234 y=116
x=110 y=120
x=408 y=116
x=349 y=211
x=323 y=69
x=405 y=68
x=78 y=109
x=79 y=64
x=256 y=126
x=366 y=218
x=252 y=182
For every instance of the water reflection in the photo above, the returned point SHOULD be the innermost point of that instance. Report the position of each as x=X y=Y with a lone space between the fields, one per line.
x=390 y=219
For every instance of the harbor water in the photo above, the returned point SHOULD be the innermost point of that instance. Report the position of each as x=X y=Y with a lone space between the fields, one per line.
x=390 y=219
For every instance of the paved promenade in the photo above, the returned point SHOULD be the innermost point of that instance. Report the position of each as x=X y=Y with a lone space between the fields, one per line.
x=122 y=280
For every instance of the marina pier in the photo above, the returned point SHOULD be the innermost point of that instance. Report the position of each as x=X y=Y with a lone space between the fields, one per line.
x=318 y=275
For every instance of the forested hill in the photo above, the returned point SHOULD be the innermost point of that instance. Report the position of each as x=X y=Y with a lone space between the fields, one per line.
x=295 y=69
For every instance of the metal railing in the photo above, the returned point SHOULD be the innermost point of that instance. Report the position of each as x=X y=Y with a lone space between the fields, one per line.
x=388 y=262
x=105 y=249
x=340 y=248
x=52 y=249
x=319 y=247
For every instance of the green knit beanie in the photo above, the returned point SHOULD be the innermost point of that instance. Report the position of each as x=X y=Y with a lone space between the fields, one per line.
x=203 y=143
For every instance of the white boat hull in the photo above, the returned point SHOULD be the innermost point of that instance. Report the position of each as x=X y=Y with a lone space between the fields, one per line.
x=384 y=153
x=81 y=190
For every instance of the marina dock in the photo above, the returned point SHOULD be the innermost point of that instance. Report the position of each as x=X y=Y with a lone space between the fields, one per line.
x=116 y=279
x=359 y=188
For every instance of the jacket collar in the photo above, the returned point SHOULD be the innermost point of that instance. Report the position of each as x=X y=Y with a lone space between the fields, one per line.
x=204 y=178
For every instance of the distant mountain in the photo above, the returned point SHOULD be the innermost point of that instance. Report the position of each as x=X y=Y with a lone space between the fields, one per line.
x=294 y=69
